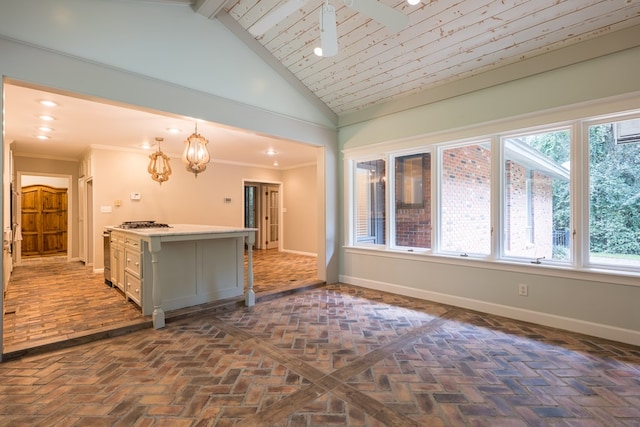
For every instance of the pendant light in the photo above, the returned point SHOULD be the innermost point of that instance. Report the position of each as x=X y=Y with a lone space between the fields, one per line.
x=159 y=166
x=195 y=155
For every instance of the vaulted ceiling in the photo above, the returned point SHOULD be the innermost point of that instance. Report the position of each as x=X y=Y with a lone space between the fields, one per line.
x=445 y=40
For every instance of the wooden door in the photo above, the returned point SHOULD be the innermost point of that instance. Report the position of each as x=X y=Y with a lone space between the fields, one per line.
x=44 y=220
x=272 y=216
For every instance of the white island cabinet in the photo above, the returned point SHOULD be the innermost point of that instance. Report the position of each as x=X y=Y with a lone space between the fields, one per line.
x=184 y=265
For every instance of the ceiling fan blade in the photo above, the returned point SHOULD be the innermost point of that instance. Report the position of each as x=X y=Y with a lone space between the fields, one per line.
x=328 y=31
x=386 y=15
x=274 y=17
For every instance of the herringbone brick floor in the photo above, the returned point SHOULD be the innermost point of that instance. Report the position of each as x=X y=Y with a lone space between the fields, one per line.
x=50 y=300
x=337 y=355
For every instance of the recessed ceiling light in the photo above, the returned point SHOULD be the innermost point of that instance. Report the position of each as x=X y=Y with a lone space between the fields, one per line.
x=271 y=152
x=47 y=118
x=317 y=51
x=48 y=103
x=275 y=163
x=45 y=129
x=42 y=137
x=173 y=130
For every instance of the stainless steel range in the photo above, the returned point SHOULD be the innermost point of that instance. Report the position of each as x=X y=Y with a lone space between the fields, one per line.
x=142 y=224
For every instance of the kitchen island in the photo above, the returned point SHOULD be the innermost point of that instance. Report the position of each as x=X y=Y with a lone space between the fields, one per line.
x=163 y=269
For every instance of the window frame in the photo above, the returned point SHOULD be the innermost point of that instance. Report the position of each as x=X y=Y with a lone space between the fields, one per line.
x=583 y=235
x=577 y=123
x=391 y=196
x=502 y=137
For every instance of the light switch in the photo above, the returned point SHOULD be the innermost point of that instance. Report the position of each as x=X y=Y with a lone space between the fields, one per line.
x=105 y=209
x=135 y=196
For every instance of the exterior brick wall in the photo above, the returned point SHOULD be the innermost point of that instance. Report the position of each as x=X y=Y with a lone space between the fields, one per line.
x=413 y=224
x=523 y=239
x=466 y=199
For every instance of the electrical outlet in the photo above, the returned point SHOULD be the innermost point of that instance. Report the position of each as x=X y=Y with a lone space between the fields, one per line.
x=523 y=290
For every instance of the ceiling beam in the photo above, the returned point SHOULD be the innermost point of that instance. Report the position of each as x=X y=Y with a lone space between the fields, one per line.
x=208 y=8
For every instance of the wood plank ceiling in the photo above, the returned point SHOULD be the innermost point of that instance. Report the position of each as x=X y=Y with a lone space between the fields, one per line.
x=444 y=41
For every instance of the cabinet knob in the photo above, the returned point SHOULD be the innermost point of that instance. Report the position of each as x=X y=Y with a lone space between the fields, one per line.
x=137 y=264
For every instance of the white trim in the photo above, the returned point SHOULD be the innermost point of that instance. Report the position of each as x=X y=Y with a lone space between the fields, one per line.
x=299 y=253
x=569 y=324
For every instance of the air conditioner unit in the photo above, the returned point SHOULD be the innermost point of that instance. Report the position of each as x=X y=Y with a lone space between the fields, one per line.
x=627 y=132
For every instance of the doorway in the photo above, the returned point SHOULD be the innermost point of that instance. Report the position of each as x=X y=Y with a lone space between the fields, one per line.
x=42 y=216
x=43 y=219
x=262 y=210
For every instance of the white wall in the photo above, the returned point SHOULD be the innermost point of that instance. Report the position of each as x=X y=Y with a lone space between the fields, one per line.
x=51 y=181
x=60 y=28
x=167 y=42
x=592 y=303
x=185 y=199
x=300 y=202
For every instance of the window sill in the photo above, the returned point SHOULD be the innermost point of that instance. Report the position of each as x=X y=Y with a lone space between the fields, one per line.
x=617 y=277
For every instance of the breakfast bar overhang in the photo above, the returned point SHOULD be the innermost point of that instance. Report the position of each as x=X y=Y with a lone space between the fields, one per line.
x=188 y=264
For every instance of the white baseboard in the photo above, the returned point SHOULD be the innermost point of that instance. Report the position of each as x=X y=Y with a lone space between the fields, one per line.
x=569 y=324
x=299 y=253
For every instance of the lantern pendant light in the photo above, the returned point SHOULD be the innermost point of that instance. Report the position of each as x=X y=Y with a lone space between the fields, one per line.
x=195 y=155
x=159 y=166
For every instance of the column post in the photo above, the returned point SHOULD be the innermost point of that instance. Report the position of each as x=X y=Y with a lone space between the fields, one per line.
x=250 y=297
x=158 y=312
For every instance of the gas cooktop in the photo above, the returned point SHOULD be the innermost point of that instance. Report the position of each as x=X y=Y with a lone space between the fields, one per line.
x=142 y=224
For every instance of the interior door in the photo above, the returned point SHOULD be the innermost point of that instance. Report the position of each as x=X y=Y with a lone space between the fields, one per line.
x=82 y=232
x=272 y=216
x=44 y=220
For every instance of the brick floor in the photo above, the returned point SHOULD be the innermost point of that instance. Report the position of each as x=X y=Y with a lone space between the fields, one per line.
x=51 y=302
x=335 y=355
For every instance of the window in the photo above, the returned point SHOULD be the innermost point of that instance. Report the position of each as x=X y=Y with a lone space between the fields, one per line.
x=413 y=201
x=614 y=194
x=465 y=199
x=536 y=196
x=370 y=202
x=568 y=195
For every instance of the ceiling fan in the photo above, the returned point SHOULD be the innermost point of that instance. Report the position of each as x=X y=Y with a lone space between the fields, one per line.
x=386 y=15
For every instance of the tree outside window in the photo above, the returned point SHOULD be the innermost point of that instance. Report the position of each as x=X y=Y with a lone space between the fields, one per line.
x=536 y=196
x=614 y=193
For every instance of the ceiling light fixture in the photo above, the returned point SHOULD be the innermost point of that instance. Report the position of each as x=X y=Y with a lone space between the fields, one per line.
x=159 y=166
x=271 y=152
x=48 y=103
x=47 y=118
x=43 y=137
x=173 y=130
x=195 y=155
x=328 y=31
x=413 y=2
x=45 y=129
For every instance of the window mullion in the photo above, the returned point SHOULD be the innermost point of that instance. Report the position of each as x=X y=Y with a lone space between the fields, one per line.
x=497 y=198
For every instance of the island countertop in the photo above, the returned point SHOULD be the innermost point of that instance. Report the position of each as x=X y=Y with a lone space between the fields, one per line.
x=184 y=265
x=182 y=230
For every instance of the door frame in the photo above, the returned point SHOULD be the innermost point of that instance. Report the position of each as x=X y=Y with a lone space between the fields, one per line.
x=261 y=233
x=18 y=209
